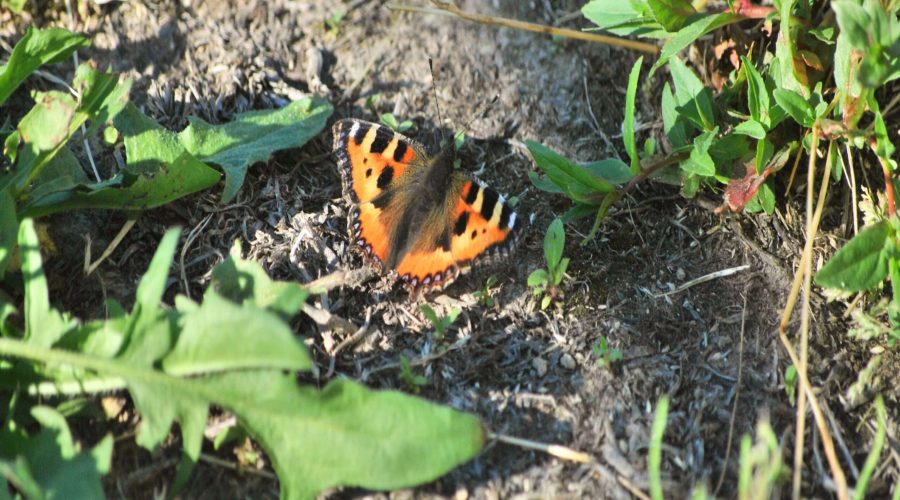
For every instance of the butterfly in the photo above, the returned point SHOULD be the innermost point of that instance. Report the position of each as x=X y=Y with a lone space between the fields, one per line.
x=412 y=212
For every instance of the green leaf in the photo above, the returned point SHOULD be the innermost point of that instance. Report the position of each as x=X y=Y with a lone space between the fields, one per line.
x=209 y=336
x=795 y=106
x=577 y=182
x=43 y=325
x=671 y=14
x=245 y=281
x=690 y=33
x=757 y=93
x=253 y=136
x=36 y=48
x=9 y=227
x=765 y=150
x=389 y=120
x=608 y=13
x=15 y=5
x=854 y=23
x=884 y=148
x=751 y=128
x=862 y=263
x=628 y=123
x=790 y=69
x=764 y=200
x=554 y=241
x=611 y=169
x=672 y=123
x=49 y=462
x=693 y=99
x=347 y=434
x=102 y=97
x=430 y=314
x=538 y=277
x=700 y=162
x=42 y=132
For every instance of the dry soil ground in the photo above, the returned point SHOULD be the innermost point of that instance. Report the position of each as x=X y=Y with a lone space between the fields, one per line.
x=525 y=372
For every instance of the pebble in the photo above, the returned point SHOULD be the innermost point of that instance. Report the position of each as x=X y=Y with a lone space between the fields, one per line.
x=567 y=361
x=540 y=366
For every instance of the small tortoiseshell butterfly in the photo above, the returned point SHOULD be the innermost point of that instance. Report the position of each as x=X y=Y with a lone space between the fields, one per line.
x=412 y=212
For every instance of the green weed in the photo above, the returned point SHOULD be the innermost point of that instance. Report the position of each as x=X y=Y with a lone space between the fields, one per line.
x=177 y=362
x=606 y=356
x=545 y=282
x=391 y=121
x=440 y=323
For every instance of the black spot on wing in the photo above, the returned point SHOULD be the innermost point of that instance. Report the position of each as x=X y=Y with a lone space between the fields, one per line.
x=472 y=193
x=443 y=241
x=368 y=172
x=504 y=216
x=461 y=223
x=474 y=233
x=383 y=137
x=361 y=132
x=488 y=201
x=385 y=178
x=400 y=151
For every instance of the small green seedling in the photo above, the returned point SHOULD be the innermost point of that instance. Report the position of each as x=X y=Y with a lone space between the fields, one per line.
x=440 y=323
x=790 y=383
x=546 y=281
x=413 y=382
x=333 y=22
x=372 y=102
x=391 y=121
x=483 y=296
x=606 y=356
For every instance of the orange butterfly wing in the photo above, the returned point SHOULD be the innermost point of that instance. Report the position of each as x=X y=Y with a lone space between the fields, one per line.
x=480 y=226
x=371 y=157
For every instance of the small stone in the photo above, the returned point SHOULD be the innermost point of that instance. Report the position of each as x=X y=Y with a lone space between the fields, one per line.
x=540 y=366
x=680 y=274
x=567 y=361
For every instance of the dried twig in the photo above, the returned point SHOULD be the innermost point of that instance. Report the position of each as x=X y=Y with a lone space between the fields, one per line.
x=556 y=450
x=804 y=276
x=90 y=267
x=448 y=9
x=703 y=279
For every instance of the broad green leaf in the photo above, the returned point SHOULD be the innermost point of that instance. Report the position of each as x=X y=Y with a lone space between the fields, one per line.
x=538 y=277
x=576 y=181
x=795 y=106
x=700 y=162
x=884 y=148
x=102 y=97
x=763 y=200
x=751 y=128
x=52 y=464
x=854 y=23
x=690 y=33
x=15 y=5
x=545 y=184
x=43 y=324
x=36 y=48
x=611 y=169
x=245 y=281
x=790 y=68
x=693 y=99
x=346 y=434
x=183 y=176
x=628 y=123
x=207 y=342
x=861 y=263
x=554 y=242
x=765 y=150
x=673 y=125
x=9 y=227
x=757 y=93
x=253 y=136
x=608 y=13
x=42 y=132
x=671 y=14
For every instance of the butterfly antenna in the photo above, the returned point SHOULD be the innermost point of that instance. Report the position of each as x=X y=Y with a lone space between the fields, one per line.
x=437 y=103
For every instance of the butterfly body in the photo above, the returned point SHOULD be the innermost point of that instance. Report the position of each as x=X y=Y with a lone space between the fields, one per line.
x=412 y=212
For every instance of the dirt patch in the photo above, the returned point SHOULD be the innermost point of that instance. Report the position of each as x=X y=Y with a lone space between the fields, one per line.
x=525 y=372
